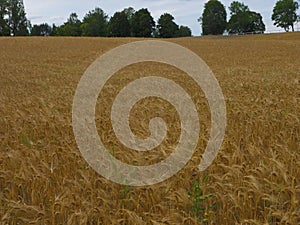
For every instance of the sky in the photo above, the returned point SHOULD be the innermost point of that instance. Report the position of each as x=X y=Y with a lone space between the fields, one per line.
x=186 y=12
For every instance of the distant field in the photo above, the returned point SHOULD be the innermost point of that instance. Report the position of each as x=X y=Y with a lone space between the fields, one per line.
x=254 y=179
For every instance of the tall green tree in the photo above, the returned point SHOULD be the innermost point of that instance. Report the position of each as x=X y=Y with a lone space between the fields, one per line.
x=4 y=27
x=243 y=20
x=71 y=27
x=142 y=23
x=285 y=14
x=213 y=18
x=118 y=25
x=184 y=31
x=17 y=20
x=166 y=26
x=95 y=23
x=246 y=22
x=129 y=12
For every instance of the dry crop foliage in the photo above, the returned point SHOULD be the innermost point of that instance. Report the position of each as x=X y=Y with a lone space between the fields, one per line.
x=254 y=179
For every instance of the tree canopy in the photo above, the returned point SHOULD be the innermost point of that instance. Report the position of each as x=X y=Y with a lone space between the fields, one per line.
x=71 y=27
x=238 y=7
x=184 y=31
x=127 y=23
x=284 y=14
x=166 y=26
x=4 y=27
x=214 y=18
x=13 y=19
x=41 y=30
x=95 y=23
x=243 y=20
x=142 y=23
x=119 y=25
x=129 y=12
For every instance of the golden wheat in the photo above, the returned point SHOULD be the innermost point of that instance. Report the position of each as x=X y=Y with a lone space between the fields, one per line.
x=254 y=179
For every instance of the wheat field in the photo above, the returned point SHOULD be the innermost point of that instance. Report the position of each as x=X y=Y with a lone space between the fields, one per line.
x=254 y=180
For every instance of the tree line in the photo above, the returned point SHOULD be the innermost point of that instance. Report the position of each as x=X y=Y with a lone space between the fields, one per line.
x=127 y=23
x=131 y=23
x=96 y=23
x=243 y=20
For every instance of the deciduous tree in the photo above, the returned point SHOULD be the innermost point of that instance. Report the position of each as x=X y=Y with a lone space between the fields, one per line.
x=213 y=18
x=95 y=23
x=238 y=7
x=71 y=27
x=142 y=23
x=166 y=26
x=184 y=31
x=285 y=14
x=4 y=27
x=243 y=20
x=118 y=25
x=17 y=20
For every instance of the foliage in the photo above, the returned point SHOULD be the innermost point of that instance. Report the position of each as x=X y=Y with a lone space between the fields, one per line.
x=95 y=23
x=127 y=23
x=118 y=25
x=17 y=18
x=238 y=7
x=184 y=31
x=4 y=27
x=55 y=30
x=214 y=18
x=13 y=19
x=41 y=30
x=243 y=20
x=125 y=196
x=166 y=26
x=199 y=199
x=71 y=27
x=284 y=14
x=142 y=23
x=129 y=12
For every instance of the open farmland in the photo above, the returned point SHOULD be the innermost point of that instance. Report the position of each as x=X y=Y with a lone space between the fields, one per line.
x=255 y=178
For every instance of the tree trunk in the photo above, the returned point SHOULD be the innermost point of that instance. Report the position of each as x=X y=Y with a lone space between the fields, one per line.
x=293 y=27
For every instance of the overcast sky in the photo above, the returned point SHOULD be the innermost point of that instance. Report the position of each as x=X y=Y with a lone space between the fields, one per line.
x=186 y=12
